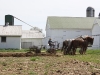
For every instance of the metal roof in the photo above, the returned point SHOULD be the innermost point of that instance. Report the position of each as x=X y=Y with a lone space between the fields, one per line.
x=32 y=34
x=90 y=8
x=71 y=22
x=15 y=30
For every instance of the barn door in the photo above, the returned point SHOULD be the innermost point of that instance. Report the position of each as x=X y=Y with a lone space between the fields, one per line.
x=96 y=43
x=26 y=45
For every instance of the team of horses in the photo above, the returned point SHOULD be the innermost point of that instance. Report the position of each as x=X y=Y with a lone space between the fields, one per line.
x=70 y=46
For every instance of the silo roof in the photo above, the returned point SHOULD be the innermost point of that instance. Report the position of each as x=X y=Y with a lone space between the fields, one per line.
x=90 y=8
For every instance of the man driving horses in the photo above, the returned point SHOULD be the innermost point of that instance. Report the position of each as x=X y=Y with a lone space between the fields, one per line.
x=50 y=43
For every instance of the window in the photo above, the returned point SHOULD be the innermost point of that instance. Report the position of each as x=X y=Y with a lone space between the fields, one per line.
x=3 y=39
x=64 y=35
x=78 y=31
x=64 y=31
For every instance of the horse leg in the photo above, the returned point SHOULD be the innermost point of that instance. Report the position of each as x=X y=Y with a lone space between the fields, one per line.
x=67 y=50
x=81 y=50
x=85 y=50
x=64 y=52
x=62 y=49
x=73 y=51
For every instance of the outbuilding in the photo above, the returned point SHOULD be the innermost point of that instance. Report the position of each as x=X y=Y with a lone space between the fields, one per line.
x=10 y=36
x=30 y=38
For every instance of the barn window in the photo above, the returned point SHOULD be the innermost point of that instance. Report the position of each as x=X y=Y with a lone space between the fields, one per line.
x=3 y=39
x=64 y=31
x=78 y=31
x=64 y=35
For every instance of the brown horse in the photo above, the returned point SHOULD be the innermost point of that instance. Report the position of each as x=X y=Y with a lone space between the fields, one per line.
x=89 y=41
x=81 y=43
x=66 y=45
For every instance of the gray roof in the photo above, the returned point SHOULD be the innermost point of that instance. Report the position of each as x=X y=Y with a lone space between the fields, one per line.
x=15 y=30
x=71 y=22
x=32 y=34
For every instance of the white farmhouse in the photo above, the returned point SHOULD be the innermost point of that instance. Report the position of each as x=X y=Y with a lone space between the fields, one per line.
x=31 y=37
x=10 y=36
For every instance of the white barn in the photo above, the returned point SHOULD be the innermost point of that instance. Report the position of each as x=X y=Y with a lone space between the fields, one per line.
x=31 y=37
x=62 y=28
x=10 y=37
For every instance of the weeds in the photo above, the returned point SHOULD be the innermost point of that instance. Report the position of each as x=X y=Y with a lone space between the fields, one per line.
x=34 y=58
x=32 y=73
x=4 y=63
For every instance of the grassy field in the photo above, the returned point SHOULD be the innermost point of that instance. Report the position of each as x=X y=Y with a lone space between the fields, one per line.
x=91 y=56
x=60 y=64
x=15 y=50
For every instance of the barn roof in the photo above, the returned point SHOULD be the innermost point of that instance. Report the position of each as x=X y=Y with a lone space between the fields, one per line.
x=71 y=22
x=15 y=30
x=32 y=34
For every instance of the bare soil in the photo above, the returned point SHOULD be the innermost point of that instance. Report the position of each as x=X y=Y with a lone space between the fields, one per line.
x=24 y=54
x=45 y=64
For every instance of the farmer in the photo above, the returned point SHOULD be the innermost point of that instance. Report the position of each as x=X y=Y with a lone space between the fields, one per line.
x=51 y=44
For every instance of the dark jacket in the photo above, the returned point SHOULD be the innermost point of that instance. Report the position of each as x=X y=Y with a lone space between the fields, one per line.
x=50 y=42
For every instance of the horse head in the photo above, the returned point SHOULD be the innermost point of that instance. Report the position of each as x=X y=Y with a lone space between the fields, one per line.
x=89 y=39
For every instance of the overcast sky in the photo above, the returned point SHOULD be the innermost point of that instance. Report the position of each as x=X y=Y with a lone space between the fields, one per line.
x=35 y=12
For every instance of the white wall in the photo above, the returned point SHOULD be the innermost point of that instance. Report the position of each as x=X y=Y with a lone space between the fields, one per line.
x=11 y=42
x=62 y=34
x=35 y=41
x=95 y=32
